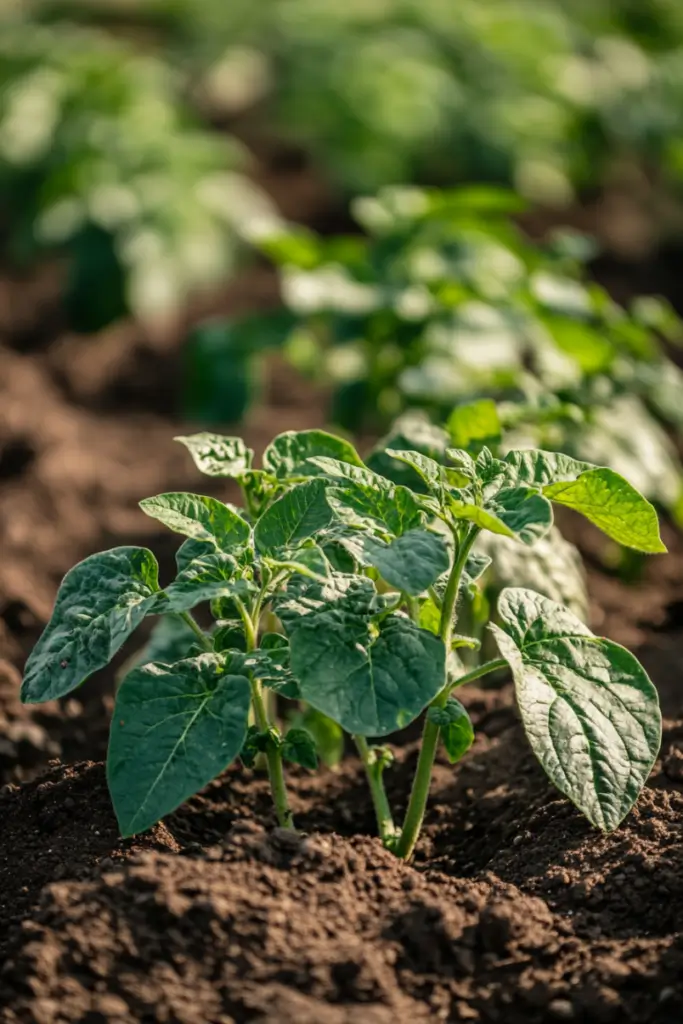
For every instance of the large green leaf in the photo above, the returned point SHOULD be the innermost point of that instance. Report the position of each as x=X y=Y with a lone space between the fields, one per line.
x=299 y=514
x=204 y=579
x=609 y=501
x=289 y=453
x=199 y=517
x=589 y=710
x=217 y=455
x=411 y=562
x=99 y=604
x=371 y=680
x=174 y=729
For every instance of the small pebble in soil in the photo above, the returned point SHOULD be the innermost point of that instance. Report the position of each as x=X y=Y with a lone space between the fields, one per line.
x=562 y=1009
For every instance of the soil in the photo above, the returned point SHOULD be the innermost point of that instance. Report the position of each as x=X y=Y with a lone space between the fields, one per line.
x=513 y=910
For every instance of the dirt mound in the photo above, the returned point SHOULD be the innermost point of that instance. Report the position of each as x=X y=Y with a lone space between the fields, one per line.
x=516 y=910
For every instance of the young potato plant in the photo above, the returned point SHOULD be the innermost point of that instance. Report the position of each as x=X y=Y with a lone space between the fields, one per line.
x=337 y=589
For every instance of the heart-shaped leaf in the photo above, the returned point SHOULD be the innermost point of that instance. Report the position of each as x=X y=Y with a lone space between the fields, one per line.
x=589 y=710
x=99 y=604
x=371 y=680
x=174 y=729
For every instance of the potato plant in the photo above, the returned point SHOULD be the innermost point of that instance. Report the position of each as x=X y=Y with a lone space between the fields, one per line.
x=100 y=158
x=338 y=589
x=445 y=301
x=545 y=96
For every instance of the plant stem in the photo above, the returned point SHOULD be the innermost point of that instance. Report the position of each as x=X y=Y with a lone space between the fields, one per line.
x=197 y=630
x=430 y=733
x=373 y=770
x=276 y=776
x=273 y=754
x=477 y=673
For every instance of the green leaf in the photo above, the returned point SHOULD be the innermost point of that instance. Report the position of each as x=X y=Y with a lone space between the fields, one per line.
x=289 y=453
x=328 y=735
x=199 y=517
x=429 y=616
x=589 y=710
x=371 y=680
x=436 y=476
x=429 y=470
x=299 y=748
x=368 y=501
x=527 y=514
x=99 y=604
x=410 y=432
x=229 y=638
x=216 y=455
x=411 y=562
x=538 y=468
x=191 y=549
x=515 y=512
x=259 y=489
x=480 y=517
x=474 y=424
x=252 y=746
x=300 y=513
x=309 y=560
x=617 y=508
x=205 y=579
x=455 y=727
x=475 y=566
x=174 y=729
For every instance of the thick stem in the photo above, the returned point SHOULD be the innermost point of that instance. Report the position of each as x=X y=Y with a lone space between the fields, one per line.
x=430 y=733
x=373 y=770
x=273 y=755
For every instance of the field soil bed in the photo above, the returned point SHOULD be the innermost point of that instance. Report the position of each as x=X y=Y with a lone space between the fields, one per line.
x=514 y=909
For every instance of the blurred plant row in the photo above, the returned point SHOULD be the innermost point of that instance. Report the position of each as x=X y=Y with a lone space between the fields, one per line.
x=104 y=145
x=443 y=301
x=107 y=153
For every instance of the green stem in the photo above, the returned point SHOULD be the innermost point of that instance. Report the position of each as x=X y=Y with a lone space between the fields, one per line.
x=276 y=775
x=477 y=673
x=373 y=770
x=273 y=754
x=197 y=630
x=430 y=733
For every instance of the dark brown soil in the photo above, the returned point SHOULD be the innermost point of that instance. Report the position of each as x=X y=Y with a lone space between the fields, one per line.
x=514 y=910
